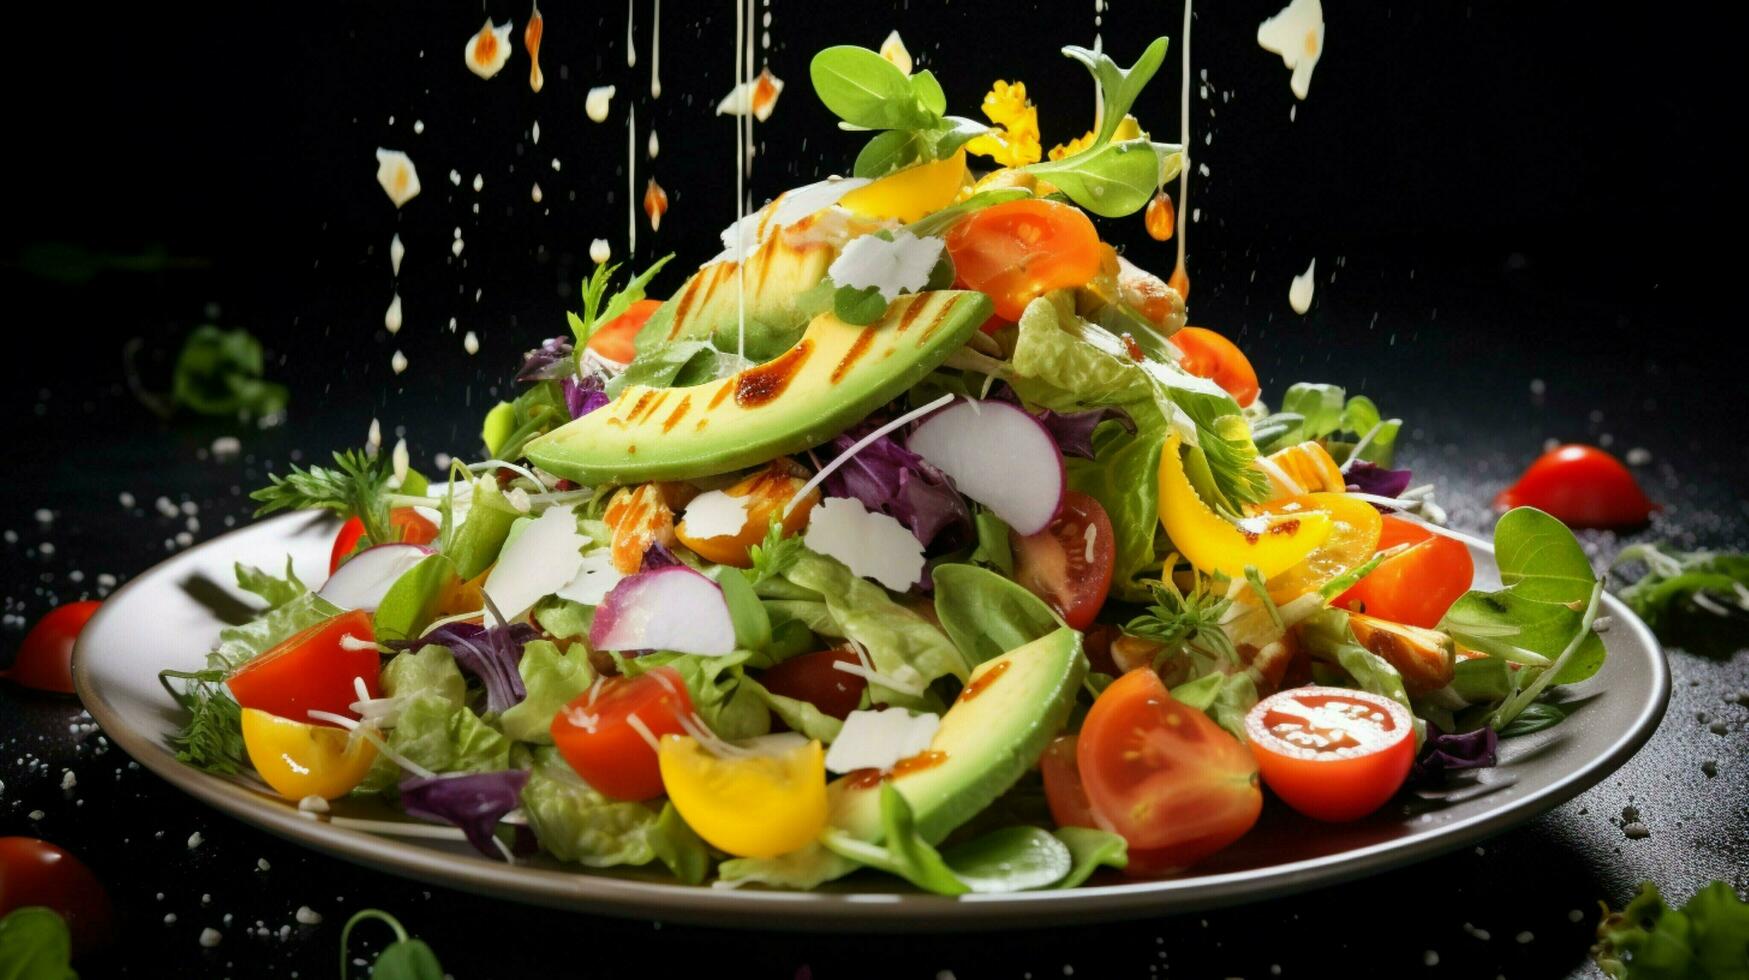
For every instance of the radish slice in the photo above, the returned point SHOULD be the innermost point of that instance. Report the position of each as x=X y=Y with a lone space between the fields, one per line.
x=998 y=455
x=672 y=608
x=874 y=546
x=541 y=560
x=367 y=576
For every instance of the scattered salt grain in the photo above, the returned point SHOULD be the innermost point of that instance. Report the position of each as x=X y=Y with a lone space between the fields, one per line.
x=68 y=780
x=210 y=937
x=194 y=840
x=308 y=916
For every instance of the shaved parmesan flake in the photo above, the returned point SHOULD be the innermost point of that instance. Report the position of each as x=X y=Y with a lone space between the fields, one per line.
x=893 y=49
x=1299 y=294
x=874 y=546
x=1297 y=34
x=595 y=577
x=893 y=267
x=400 y=179
x=757 y=97
x=745 y=236
x=487 y=51
x=879 y=739
x=596 y=102
x=538 y=562
x=714 y=514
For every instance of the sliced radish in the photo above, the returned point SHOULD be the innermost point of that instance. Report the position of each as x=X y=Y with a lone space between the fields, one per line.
x=539 y=561
x=998 y=455
x=367 y=576
x=874 y=546
x=672 y=608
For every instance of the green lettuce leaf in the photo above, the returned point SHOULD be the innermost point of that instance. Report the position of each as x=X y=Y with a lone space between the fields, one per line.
x=429 y=672
x=273 y=590
x=35 y=945
x=987 y=615
x=1123 y=476
x=575 y=823
x=800 y=716
x=1706 y=939
x=553 y=680
x=732 y=709
x=239 y=644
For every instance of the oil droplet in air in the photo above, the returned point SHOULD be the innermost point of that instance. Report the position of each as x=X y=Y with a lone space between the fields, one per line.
x=1180 y=281
x=1299 y=294
x=397 y=252
x=757 y=97
x=398 y=362
x=471 y=343
x=531 y=41
x=600 y=251
x=596 y=102
x=534 y=193
x=1160 y=217
x=1297 y=34
x=487 y=51
x=655 y=203
x=537 y=132
x=392 y=318
x=654 y=147
x=400 y=179
x=631 y=45
x=893 y=49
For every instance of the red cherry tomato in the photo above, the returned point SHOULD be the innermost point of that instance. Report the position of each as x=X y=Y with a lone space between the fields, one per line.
x=1020 y=250
x=311 y=670
x=1069 y=807
x=45 y=658
x=407 y=522
x=1163 y=775
x=1580 y=486
x=1332 y=753
x=616 y=340
x=1417 y=586
x=1209 y=355
x=35 y=872
x=597 y=737
x=812 y=678
x=1068 y=564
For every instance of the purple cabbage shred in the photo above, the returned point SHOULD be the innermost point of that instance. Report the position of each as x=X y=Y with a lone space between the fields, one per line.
x=1073 y=431
x=890 y=479
x=585 y=395
x=490 y=653
x=1451 y=751
x=1375 y=479
x=475 y=802
x=551 y=361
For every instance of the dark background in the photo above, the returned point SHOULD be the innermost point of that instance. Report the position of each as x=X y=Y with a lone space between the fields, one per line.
x=1517 y=212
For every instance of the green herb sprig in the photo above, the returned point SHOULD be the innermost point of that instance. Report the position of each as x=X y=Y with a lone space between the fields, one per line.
x=212 y=738
x=355 y=486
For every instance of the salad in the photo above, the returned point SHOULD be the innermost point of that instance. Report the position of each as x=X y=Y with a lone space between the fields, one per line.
x=915 y=532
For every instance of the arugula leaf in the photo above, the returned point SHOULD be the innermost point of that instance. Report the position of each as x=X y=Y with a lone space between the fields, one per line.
x=355 y=486
x=864 y=89
x=594 y=289
x=1706 y=939
x=273 y=590
x=1115 y=179
x=219 y=372
x=1118 y=87
x=212 y=738
x=987 y=615
x=35 y=945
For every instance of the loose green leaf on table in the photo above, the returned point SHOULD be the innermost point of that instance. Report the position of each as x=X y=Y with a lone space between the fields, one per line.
x=1706 y=939
x=219 y=372
x=35 y=945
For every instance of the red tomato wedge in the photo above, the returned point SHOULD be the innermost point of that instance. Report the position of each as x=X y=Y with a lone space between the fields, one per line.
x=311 y=671
x=1020 y=250
x=598 y=733
x=1331 y=753
x=1580 y=486
x=1068 y=564
x=812 y=678
x=1209 y=355
x=1417 y=586
x=411 y=527
x=616 y=340
x=36 y=872
x=1163 y=775
x=45 y=658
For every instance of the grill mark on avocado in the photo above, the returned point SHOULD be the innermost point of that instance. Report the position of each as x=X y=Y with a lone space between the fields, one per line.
x=638 y=409
x=912 y=309
x=766 y=259
x=760 y=385
x=661 y=396
x=685 y=304
x=679 y=413
x=717 y=399
x=940 y=318
x=858 y=347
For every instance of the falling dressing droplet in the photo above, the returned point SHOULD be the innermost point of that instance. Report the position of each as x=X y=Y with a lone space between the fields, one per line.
x=398 y=362
x=600 y=251
x=397 y=252
x=479 y=182
x=1299 y=293
x=631 y=43
x=595 y=104
x=1160 y=217
x=631 y=180
x=655 y=203
x=531 y=40
x=534 y=193
x=471 y=343
x=654 y=146
x=397 y=175
x=487 y=51
x=536 y=132
x=1180 y=280
x=656 y=53
x=392 y=318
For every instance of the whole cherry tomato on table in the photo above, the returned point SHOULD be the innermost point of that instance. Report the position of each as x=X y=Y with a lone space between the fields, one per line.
x=1580 y=486
x=45 y=658
x=36 y=872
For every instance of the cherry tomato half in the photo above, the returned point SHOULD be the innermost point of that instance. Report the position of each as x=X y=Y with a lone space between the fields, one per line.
x=599 y=739
x=1068 y=564
x=1580 y=486
x=45 y=658
x=1163 y=775
x=406 y=522
x=311 y=670
x=1417 y=586
x=35 y=872
x=1332 y=753
x=1019 y=250
x=812 y=678
x=1069 y=806
x=616 y=340
x=1209 y=355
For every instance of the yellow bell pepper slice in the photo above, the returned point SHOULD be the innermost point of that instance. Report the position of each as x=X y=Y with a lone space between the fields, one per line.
x=1355 y=527
x=757 y=806
x=1273 y=543
x=911 y=193
x=300 y=760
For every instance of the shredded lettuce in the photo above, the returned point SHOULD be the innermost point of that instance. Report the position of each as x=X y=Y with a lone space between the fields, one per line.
x=552 y=680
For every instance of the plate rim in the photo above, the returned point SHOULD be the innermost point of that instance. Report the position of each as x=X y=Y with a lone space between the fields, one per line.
x=800 y=911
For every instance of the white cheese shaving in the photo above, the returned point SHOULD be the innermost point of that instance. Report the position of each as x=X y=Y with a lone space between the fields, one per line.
x=1297 y=34
x=541 y=560
x=744 y=237
x=487 y=51
x=874 y=546
x=1299 y=294
x=397 y=175
x=893 y=267
x=595 y=578
x=744 y=99
x=879 y=739
x=714 y=514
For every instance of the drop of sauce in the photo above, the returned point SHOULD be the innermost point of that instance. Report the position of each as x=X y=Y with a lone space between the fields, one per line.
x=654 y=146
x=656 y=53
x=1299 y=292
x=398 y=362
x=471 y=343
x=921 y=762
x=1160 y=217
x=655 y=203
x=1180 y=280
x=531 y=40
x=631 y=44
x=487 y=51
x=392 y=318
x=397 y=251
x=596 y=103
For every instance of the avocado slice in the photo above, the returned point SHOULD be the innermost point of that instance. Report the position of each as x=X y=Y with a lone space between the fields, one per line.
x=708 y=306
x=1012 y=706
x=828 y=381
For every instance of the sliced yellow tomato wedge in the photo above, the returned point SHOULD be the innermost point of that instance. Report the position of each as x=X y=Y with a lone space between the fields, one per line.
x=1310 y=466
x=911 y=193
x=758 y=806
x=1273 y=543
x=300 y=760
x=1355 y=526
x=766 y=493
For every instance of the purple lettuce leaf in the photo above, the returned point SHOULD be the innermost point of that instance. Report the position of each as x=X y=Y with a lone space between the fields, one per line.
x=1450 y=751
x=1073 y=431
x=585 y=395
x=890 y=479
x=551 y=361
x=1375 y=479
x=490 y=653
x=475 y=802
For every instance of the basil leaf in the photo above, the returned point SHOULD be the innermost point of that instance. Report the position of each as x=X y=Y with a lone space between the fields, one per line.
x=35 y=945
x=888 y=152
x=987 y=615
x=1319 y=405
x=1011 y=859
x=1118 y=87
x=1114 y=180
x=928 y=91
x=408 y=959
x=859 y=307
x=864 y=89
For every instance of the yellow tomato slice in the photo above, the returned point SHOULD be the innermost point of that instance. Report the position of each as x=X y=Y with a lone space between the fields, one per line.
x=911 y=193
x=1355 y=526
x=756 y=806
x=767 y=492
x=300 y=760
x=1273 y=543
x=1310 y=466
